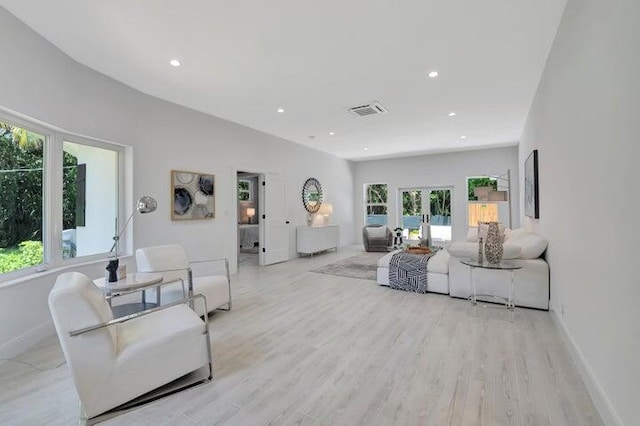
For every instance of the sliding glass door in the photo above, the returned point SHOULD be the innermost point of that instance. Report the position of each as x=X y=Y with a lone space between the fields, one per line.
x=432 y=205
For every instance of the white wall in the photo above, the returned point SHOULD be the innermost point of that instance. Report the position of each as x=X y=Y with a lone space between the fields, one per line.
x=101 y=200
x=43 y=83
x=451 y=169
x=585 y=123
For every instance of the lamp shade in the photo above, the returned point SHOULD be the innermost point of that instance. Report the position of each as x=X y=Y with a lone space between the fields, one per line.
x=251 y=212
x=498 y=196
x=482 y=192
x=147 y=204
x=325 y=209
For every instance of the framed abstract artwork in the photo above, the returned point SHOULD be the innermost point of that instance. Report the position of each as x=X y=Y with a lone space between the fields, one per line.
x=192 y=195
x=531 y=197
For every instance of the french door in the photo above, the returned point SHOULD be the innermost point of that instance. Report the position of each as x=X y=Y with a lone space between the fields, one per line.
x=431 y=205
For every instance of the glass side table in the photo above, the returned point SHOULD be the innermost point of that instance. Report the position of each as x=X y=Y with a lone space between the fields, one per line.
x=504 y=265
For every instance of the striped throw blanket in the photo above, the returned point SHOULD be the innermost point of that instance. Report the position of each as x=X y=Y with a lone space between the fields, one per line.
x=408 y=272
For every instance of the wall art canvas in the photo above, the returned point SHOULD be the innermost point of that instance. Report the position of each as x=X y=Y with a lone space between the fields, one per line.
x=192 y=195
x=531 y=198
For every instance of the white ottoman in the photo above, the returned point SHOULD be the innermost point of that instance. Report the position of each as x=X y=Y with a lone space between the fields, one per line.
x=437 y=271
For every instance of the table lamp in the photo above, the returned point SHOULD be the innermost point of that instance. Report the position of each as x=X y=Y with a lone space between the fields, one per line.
x=251 y=212
x=145 y=204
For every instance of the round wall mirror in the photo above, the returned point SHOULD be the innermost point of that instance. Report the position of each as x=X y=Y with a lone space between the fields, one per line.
x=312 y=195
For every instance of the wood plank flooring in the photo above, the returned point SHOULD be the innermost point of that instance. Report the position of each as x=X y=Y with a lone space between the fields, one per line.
x=302 y=348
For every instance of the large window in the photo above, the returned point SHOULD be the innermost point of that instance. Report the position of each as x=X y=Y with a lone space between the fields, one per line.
x=376 y=198
x=43 y=223
x=21 y=197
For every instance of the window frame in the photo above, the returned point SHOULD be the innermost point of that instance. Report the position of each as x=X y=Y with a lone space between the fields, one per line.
x=248 y=191
x=52 y=186
x=366 y=203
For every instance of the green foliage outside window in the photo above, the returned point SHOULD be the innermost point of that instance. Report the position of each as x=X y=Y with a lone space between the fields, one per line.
x=473 y=182
x=28 y=253
x=21 y=197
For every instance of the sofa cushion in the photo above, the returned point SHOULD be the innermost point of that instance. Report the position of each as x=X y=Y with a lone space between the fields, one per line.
x=439 y=262
x=377 y=232
x=531 y=245
x=470 y=251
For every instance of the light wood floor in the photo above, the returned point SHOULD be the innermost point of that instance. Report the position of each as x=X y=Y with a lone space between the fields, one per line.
x=302 y=348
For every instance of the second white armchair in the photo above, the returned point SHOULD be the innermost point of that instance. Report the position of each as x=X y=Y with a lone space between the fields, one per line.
x=171 y=260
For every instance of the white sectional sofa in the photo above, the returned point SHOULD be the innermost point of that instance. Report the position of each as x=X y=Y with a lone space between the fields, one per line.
x=447 y=275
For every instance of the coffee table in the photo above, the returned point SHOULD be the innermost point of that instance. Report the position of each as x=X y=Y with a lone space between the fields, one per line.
x=504 y=265
x=133 y=282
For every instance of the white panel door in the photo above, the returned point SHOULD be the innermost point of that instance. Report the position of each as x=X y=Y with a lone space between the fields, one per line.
x=274 y=224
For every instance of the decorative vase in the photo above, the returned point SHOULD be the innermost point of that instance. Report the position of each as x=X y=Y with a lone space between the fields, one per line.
x=310 y=218
x=493 y=246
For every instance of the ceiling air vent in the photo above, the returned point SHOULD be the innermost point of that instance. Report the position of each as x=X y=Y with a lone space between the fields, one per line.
x=373 y=108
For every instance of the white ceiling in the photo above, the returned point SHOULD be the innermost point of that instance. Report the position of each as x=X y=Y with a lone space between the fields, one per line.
x=242 y=60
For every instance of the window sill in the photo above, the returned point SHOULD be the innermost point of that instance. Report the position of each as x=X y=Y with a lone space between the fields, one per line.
x=54 y=270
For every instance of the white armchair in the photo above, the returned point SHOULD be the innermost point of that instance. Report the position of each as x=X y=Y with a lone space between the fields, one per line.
x=171 y=260
x=114 y=361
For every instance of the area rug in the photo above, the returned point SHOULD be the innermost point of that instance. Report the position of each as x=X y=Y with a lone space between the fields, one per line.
x=362 y=266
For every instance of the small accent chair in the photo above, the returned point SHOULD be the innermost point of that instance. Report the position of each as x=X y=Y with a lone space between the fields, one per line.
x=377 y=238
x=171 y=261
x=114 y=361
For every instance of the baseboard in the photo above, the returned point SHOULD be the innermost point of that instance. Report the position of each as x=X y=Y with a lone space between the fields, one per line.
x=600 y=400
x=23 y=342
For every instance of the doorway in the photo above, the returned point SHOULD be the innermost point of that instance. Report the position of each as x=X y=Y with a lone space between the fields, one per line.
x=248 y=218
x=425 y=204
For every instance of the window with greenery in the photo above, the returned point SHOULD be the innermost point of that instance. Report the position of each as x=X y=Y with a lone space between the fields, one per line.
x=376 y=198
x=481 y=211
x=77 y=219
x=21 y=197
x=244 y=190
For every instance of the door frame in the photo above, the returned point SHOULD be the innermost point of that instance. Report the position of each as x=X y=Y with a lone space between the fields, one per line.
x=260 y=211
x=425 y=190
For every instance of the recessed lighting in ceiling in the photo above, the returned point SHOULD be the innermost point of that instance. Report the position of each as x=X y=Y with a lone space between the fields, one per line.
x=452 y=114
x=280 y=110
x=433 y=74
x=366 y=149
x=463 y=137
x=331 y=133
x=175 y=62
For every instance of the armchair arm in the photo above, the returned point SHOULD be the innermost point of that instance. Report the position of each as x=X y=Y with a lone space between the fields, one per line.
x=219 y=259
x=135 y=315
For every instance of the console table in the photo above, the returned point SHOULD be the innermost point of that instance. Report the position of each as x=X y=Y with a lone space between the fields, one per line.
x=315 y=239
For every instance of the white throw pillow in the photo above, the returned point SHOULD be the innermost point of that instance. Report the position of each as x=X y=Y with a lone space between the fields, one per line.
x=472 y=235
x=377 y=232
x=531 y=245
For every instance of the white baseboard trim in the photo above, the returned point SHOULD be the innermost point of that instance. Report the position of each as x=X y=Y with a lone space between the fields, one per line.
x=23 y=342
x=600 y=400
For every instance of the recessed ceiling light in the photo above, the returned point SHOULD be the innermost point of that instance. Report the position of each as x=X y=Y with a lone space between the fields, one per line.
x=452 y=114
x=175 y=62
x=331 y=133
x=433 y=74
x=463 y=137
x=280 y=110
x=366 y=149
